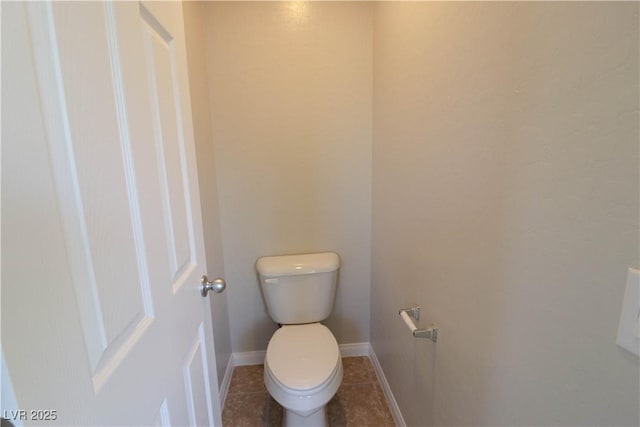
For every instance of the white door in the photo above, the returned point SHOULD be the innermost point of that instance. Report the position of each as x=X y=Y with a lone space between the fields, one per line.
x=102 y=247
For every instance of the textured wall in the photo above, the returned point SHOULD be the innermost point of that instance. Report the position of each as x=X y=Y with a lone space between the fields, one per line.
x=290 y=92
x=505 y=202
x=194 y=23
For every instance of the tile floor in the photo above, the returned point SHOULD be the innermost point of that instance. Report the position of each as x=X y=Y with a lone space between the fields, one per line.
x=359 y=401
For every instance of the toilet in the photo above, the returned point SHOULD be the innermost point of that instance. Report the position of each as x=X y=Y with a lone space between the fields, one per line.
x=302 y=367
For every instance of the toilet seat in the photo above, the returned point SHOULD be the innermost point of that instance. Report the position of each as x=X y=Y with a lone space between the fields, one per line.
x=303 y=371
x=302 y=358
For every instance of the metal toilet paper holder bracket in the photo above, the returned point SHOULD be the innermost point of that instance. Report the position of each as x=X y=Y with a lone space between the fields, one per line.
x=429 y=333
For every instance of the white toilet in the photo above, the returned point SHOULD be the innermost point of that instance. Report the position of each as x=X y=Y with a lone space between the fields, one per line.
x=302 y=368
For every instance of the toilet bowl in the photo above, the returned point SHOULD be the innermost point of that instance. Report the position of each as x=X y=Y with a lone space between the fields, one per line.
x=303 y=371
x=302 y=368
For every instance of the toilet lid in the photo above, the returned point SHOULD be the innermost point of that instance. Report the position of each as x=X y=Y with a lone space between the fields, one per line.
x=302 y=356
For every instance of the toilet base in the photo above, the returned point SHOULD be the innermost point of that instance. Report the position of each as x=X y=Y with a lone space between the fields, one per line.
x=317 y=419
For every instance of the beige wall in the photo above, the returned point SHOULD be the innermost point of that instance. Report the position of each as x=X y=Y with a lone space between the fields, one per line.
x=505 y=202
x=195 y=36
x=290 y=90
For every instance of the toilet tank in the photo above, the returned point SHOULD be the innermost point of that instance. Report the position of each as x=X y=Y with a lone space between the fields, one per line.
x=299 y=288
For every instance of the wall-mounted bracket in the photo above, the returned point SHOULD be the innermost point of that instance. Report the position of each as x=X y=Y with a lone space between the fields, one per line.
x=414 y=312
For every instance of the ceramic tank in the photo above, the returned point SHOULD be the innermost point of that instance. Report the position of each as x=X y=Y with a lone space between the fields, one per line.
x=299 y=288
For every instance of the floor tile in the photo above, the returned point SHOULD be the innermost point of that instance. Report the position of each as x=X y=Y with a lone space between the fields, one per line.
x=247 y=379
x=246 y=410
x=358 y=402
x=356 y=371
x=357 y=405
x=276 y=412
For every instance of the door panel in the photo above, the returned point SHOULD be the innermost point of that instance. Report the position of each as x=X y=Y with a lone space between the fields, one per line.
x=161 y=66
x=197 y=390
x=100 y=166
x=120 y=334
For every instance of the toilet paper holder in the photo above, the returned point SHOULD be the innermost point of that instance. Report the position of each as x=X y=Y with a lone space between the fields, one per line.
x=414 y=312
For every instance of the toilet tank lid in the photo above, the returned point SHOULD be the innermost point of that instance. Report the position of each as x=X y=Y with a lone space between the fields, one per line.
x=291 y=265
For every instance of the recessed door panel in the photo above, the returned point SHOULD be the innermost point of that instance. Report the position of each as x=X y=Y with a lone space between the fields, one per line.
x=160 y=51
x=96 y=174
x=196 y=389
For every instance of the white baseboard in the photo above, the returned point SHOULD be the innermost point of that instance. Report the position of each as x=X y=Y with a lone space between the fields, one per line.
x=386 y=389
x=238 y=359
x=355 y=349
x=226 y=381
x=346 y=350
x=249 y=358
